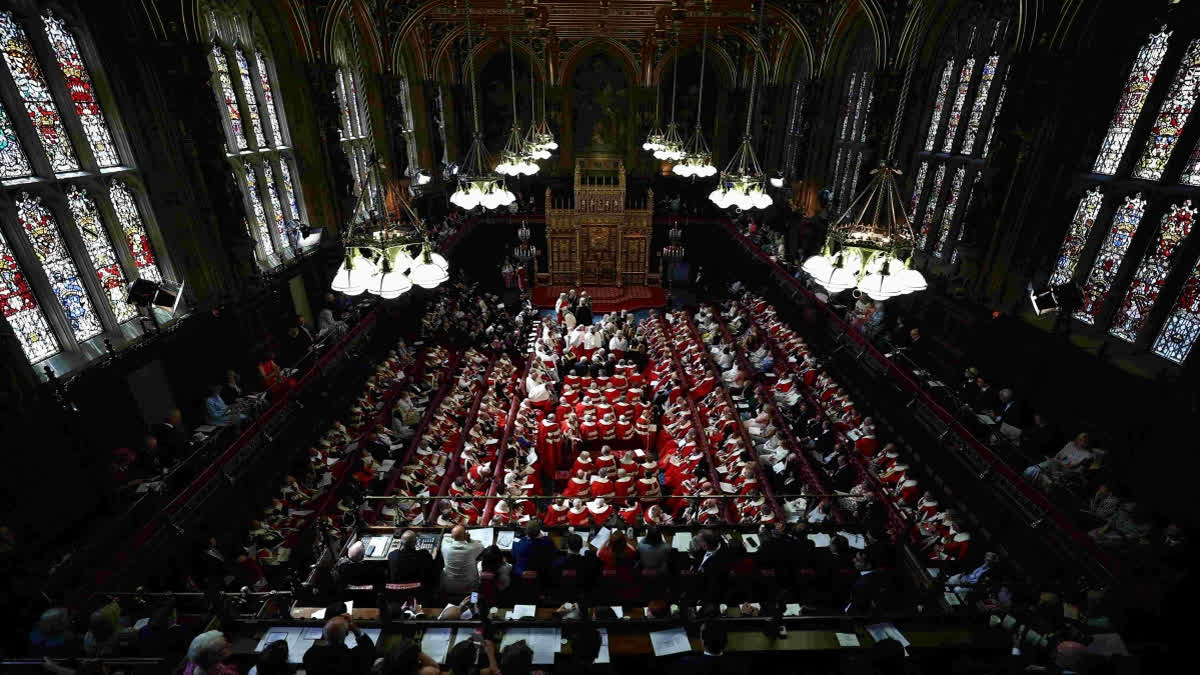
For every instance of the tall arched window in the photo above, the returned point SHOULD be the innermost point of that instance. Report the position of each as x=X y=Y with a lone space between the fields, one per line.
x=74 y=225
x=256 y=137
x=357 y=140
x=850 y=142
x=966 y=103
x=1134 y=287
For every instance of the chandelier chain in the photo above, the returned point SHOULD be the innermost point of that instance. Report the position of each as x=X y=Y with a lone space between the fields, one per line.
x=900 y=107
x=674 y=80
x=703 y=53
x=471 y=70
x=512 y=72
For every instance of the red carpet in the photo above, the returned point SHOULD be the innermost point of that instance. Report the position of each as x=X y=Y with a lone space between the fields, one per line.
x=606 y=298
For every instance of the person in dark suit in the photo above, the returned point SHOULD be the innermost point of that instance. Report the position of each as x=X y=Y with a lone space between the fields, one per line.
x=867 y=589
x=1008 y=410
x=533 y=552
x=713 y=640
x=408 y=564
x=331 y=656
x=294 y=345
x=842 y=476
x=585 y=564
x=711 y=561
x=172 y=436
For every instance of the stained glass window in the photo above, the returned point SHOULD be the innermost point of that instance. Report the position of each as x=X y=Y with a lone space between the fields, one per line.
x=935 y=193
x=854 y=176
x=1077 y=236
x=1129 y=106
x=918 y=186
x=21 y=309
x=264 y=79
x=860 y=118
x=231 y=105
x=949 y=211
x=18 y=55
x=1178 y=335
x=962 y=231
x=273 y=195
x=13 y=162
x=260 y=215
x=1116 y=243
x=356 y=116
x=866 y=116
x=346 y=131
x=979 y=107
x=1152 y=273
x=135 y=232
x=83 y=95
x=104 y=260
x=1172 y=115
x=995 y=116
x=1191 y=172
x=251 y=101
x=848 y=107
x=960 y=100
x=838 y=157
x=286 y=173
x=47 y=242
x=939 y=104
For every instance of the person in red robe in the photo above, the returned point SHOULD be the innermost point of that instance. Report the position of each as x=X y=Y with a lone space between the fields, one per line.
x=556 y=514
x=578 y=515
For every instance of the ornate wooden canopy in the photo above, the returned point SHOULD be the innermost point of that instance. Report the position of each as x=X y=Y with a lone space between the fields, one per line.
x=600 y=239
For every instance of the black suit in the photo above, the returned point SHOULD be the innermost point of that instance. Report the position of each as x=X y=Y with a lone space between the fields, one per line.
x=1010 y=413
x=326 y=659
x=713 y=574
x=587 y=567
x=172 y=442
x=406 y=566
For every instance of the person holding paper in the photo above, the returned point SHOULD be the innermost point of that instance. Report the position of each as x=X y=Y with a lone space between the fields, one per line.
x=331 y=656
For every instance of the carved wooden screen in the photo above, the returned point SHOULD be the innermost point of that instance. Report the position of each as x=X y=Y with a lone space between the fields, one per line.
x=634 y=261
x=562 y=260
x=599 y=255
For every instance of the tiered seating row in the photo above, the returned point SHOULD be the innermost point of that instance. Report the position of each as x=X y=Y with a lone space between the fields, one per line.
x=764 y=485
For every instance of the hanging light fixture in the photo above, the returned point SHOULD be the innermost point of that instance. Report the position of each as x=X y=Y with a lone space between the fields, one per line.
x=377 y=256
x=742 y=184
x=477 y=185
x=655 y=137
x=697 y=159
x=540 y=141
x=515 y=159
x=670 y=148
x=870 y=246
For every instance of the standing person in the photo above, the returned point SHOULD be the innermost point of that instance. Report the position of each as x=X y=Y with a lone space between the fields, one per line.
x=408 y=564
x=459 y=555
x=653 y=552
x=533 y=552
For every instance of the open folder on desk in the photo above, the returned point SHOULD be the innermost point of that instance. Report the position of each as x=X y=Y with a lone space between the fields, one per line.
x=483 y=535
x=670 y=641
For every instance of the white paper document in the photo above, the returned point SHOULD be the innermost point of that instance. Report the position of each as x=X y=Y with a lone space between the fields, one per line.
x=544 y=642
x=522 y=612
x=791 y=609
x=603 y=656
x=847 y=640
x=884 y=631
x=819 y=539
x=436 y=643
x=855 y=540
x=671 y=641
x=504 y=539
x=372 y=633
x=601 y=538
x=483 y=535
x=682 y=541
